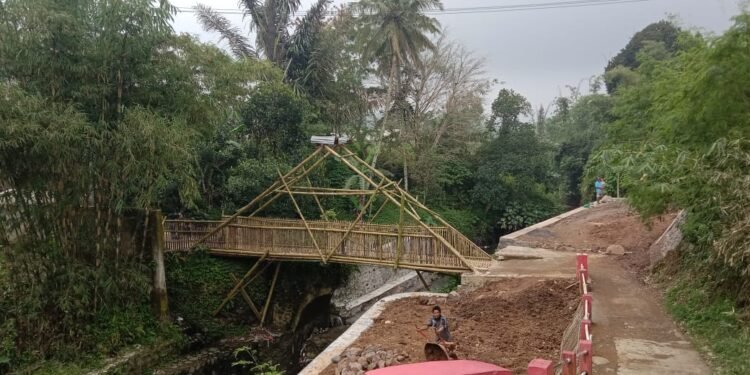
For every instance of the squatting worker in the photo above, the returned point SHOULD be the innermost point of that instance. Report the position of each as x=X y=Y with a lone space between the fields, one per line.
x=440 y=325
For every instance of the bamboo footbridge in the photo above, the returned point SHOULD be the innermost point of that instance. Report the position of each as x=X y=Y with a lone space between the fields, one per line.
x=411 y=244
x=422 y=247
x=337 y=242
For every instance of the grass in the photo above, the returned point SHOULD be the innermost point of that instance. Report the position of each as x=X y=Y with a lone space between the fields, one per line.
x=55 y=367
x=451 y=284
x=713 y=323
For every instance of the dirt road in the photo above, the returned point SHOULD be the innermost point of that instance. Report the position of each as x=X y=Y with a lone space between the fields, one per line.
x=522 y=308
x=506 y=322
x=632 y=332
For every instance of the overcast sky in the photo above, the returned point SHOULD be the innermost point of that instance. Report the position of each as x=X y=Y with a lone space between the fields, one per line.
x=538 y=52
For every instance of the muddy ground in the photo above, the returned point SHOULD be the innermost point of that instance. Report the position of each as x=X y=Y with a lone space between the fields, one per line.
x=507 y=322
x=593 y=230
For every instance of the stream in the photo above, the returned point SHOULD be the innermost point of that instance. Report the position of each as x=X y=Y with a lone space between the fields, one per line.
x=291 y=351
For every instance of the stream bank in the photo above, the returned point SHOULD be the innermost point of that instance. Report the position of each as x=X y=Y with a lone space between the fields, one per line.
x=299 y=330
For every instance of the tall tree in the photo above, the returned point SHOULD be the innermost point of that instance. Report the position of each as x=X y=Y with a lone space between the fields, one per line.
x=663 y=32
x=445 y=100
x=393 y=33
x=271 y=20
x=507 y=110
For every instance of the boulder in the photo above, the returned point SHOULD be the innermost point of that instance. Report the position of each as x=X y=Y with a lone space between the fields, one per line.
x=336 y=359
x=616 y=250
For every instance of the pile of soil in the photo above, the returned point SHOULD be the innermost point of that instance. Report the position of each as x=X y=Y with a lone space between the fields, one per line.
x=507 y=322
x=611 y=223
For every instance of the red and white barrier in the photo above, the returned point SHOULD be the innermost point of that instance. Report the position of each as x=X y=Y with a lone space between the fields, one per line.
x=580 y=360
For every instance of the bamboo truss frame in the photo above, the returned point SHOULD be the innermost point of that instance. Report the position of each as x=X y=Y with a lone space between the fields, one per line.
x=406 y=245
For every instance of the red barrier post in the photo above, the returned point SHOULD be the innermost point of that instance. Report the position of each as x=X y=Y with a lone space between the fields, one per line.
x=569 y=363
x=541 y=367
x=582 y=261
x=587 y=356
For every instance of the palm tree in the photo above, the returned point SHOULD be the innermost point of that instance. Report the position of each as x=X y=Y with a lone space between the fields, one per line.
x=272 y=21
x=393 y=34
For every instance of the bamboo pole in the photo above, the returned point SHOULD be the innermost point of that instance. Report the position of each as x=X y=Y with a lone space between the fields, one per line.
x=400 y=238
x=372 y=219
x=258 y=198
x=334 y=190
x=315 y=196
x=299 y=212
x=424 y=283
x=247 y=298
x=354 y=223
x=346 y=260
x=413 y=210
x=370 y=232
x=433 y=213
x=369 y=180
x=380 y=209
x=480 y=252
x=234 y=290
x=330 y=193
x=270 y=294
x=292 y=181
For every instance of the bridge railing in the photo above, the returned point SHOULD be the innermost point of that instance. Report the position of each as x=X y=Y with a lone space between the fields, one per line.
x=364 y=243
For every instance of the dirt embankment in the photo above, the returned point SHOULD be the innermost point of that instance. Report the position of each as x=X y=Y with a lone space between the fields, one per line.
x=612 y=223
x=507 y=322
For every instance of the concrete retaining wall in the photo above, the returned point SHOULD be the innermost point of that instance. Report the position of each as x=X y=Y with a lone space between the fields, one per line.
x=669 y=240
x=370 y=283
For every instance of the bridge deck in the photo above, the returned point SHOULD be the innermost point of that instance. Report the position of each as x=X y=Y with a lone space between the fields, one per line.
x=286 y=239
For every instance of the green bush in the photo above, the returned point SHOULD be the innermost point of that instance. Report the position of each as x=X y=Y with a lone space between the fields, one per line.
x=199 y=282
x=68 y=310
x=706 y=309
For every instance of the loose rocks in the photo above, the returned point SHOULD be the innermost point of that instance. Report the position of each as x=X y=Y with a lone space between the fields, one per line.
x=355 y=361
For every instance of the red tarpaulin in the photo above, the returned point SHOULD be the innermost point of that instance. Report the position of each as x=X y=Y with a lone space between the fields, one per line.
x=460 y=367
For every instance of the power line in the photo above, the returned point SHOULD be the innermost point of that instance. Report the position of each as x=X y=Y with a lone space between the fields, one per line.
x=474 y=9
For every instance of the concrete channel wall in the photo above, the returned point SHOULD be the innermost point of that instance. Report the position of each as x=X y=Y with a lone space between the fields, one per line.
x=370 y=283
